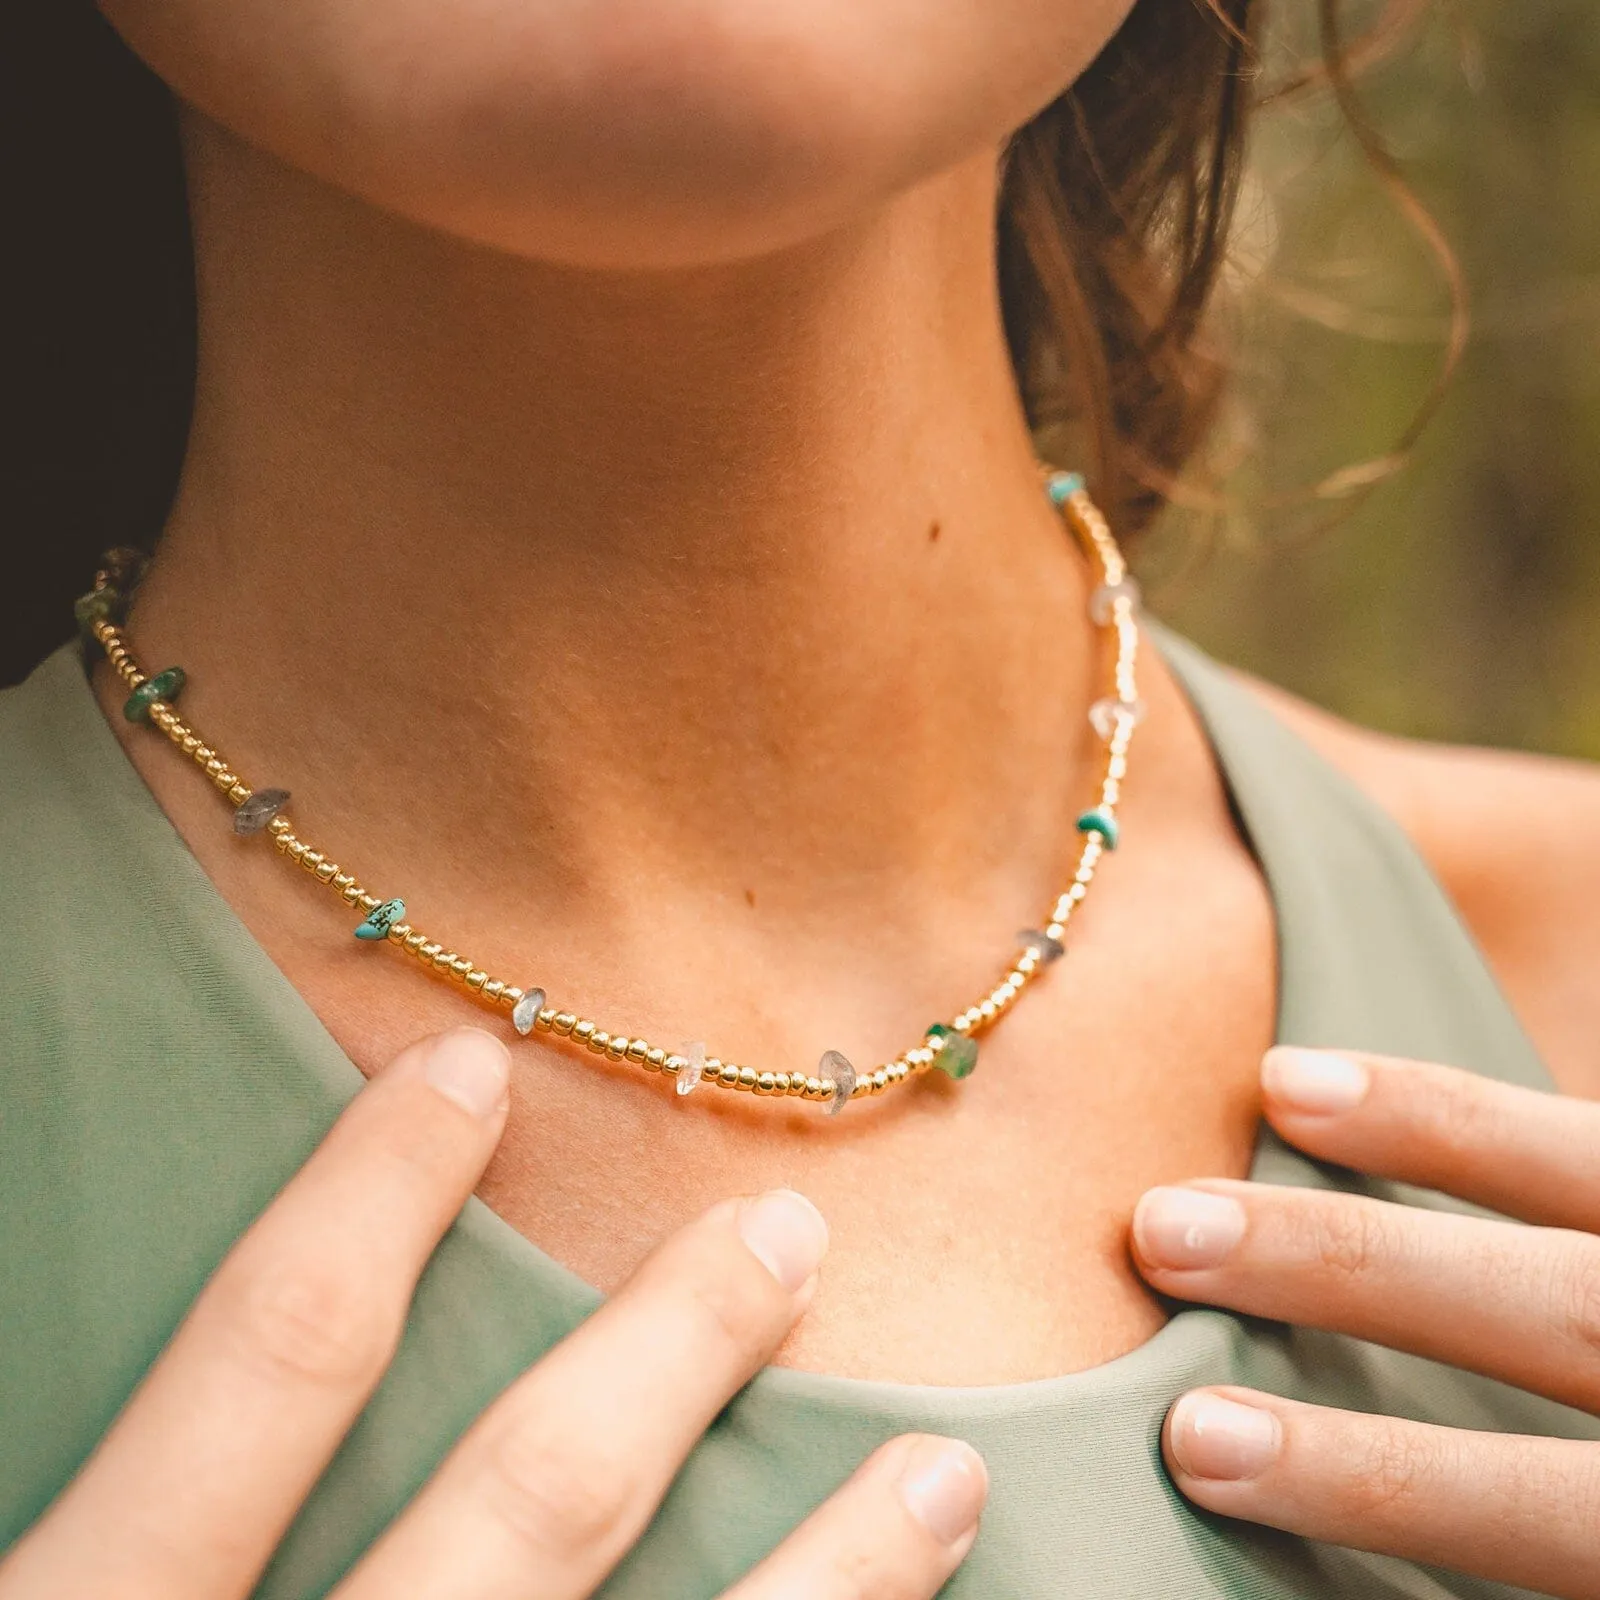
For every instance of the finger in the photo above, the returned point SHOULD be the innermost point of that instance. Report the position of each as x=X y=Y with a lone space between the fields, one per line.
x=193 y=1487
x=896 y=1530
x=1519 y=1151
x=1517 y=1303
x=557 y=1479
x=1510 y=1509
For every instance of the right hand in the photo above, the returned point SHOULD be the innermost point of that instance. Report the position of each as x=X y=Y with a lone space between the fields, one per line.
x=196 y=1482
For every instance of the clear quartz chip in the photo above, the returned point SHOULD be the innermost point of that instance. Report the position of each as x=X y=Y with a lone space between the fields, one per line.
x=694 y=1055
x=1103 y=602
x=526 y=1011
x=1106 y=713
x=834 y=1064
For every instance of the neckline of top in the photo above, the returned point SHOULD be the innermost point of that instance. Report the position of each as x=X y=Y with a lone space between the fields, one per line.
x=1214 y=702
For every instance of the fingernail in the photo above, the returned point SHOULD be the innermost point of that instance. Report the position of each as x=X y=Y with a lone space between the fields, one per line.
x=1216 y=1438
x=786 y=1234
x=470 y=1067
x=1186 y=1228
x=944 y=1484
x=1313 y=1081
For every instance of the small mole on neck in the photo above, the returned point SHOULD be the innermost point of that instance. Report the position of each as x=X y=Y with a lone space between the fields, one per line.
x=933 y=533
x=750 y=898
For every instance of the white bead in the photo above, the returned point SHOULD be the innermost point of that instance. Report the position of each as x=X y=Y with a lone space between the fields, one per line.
x=526 y=1011
x=694 y=1055
x=1105 y=714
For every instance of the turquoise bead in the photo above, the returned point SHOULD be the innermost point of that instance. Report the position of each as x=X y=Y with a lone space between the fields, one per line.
x=959 y=1057
x=381 y=920
x=166 y=685
x=1102 y=822
x=1061 y=486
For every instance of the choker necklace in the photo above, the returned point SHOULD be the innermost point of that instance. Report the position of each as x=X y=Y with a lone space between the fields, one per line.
x=951 y=1046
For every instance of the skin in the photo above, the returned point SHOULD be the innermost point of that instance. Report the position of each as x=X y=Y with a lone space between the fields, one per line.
x=580 y=374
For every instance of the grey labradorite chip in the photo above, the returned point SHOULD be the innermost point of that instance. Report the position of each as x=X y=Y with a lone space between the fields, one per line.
x=252 y=815
x=526 y=1011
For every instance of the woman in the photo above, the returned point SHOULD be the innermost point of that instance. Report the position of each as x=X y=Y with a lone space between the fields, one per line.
x=612 y=510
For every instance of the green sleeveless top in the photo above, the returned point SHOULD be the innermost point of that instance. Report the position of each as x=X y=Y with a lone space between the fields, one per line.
x=162 y=1080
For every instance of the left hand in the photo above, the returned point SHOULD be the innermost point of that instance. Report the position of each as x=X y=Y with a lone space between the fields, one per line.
x=1517 y=1303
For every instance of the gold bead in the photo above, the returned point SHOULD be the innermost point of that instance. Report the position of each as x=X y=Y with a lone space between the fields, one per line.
x=880 y=1080
x=639 y=1050
x=987 y=1010
x=747 y=1077
x=352 y=893
x=494 y=988
x=767 y=1083
x=326 y=870
x=727 y=1071
x=813 y=1088
x=617 y=1046
x=583 y=1030
x=781 y=1082
x=598 y=1040
x=565 y=1022
x=476 y=979
x=545 y=1018
x=655 y=1059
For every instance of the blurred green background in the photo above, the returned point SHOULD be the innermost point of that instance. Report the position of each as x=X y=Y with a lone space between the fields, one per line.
x=1460 y=599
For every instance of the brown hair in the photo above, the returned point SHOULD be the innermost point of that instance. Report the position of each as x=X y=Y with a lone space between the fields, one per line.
x=1115 y=207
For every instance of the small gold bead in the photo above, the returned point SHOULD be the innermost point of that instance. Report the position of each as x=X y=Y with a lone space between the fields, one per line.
x=781 y=1082
x=190 y=743
x=545 y=1018
x=880 y=1080
x=655 y=1059
x=476 y=979
x=327 y=870
x=239 y=793
x=987 y=1010
x=461 y=966
x=279 y=824
x=493 y=988
x=370 y=902
x=767 y=1083
x=813 y=1088
x=727 y=1071
x=674 y=1064
x=639 y=1050
x=582 y=1030
x=747 y=1077
x=565 y=1022
x=352 y=893
x=598 y=1040
x=617 y=1046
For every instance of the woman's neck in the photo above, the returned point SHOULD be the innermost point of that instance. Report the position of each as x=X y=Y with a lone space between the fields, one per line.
x=589 y=588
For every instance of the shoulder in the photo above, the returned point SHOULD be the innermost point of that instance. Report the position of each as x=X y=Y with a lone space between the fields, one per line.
x=1515 y=840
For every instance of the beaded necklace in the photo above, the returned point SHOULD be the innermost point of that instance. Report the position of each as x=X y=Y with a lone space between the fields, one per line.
x=950 y=1046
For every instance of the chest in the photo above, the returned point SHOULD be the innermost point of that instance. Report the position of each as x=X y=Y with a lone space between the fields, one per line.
x=978 y=1228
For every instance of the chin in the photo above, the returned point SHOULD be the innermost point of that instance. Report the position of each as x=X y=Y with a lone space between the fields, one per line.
x=621 y=133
